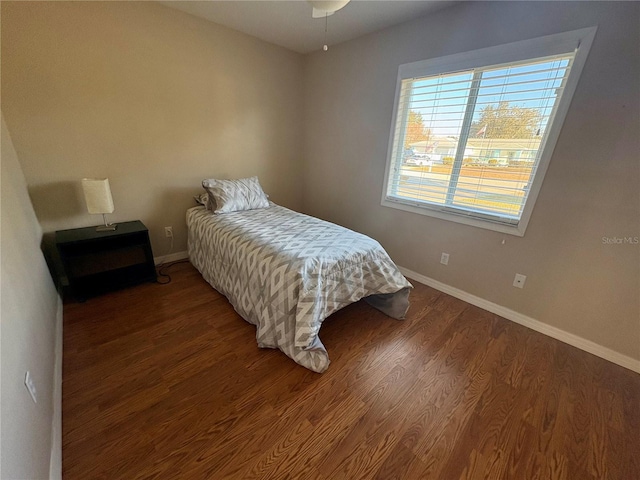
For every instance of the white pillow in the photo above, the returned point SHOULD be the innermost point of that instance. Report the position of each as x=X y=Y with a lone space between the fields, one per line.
x=235 y=195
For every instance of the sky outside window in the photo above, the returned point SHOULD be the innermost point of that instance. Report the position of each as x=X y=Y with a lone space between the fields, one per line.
x=442 y=100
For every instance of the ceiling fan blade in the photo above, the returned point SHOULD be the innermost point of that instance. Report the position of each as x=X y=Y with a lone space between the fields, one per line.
x=324 y=8
x=320 y=13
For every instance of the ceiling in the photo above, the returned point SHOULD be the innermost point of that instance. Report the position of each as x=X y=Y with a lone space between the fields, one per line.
x=289 y=23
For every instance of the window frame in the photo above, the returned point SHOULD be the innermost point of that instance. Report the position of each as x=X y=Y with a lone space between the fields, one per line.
x=579 y=41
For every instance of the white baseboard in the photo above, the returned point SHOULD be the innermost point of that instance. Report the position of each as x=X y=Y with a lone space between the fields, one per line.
x=171 y=258
x=544 y=328
x=55 y=460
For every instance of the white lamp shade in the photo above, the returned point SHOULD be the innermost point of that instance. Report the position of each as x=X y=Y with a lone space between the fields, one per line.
x=97 y=194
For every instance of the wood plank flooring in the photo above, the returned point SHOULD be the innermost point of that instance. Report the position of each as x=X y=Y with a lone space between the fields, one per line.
x=166 y=381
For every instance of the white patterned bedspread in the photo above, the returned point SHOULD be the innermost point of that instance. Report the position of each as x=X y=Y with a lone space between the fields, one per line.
x=286 y=272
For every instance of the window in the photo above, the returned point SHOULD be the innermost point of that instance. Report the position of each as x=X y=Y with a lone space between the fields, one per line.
x=473 y=133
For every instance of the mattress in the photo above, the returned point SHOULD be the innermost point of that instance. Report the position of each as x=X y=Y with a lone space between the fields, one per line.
x=286 y=272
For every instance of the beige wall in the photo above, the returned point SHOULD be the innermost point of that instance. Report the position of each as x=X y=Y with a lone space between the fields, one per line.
x=29 y=315
x=150 y=97
x=591 y=189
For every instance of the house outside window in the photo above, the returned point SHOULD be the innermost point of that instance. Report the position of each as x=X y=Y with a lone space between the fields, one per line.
x=473 y=133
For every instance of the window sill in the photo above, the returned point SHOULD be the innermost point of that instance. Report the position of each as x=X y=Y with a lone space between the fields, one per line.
x=516 y=230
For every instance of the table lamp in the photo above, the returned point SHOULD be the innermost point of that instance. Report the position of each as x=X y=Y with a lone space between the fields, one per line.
x=97 y=194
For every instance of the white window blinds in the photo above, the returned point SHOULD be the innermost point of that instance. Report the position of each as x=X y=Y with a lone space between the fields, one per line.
x=469 y=142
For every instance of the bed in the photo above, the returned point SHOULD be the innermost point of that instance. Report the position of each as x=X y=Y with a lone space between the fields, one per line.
x=286 y=272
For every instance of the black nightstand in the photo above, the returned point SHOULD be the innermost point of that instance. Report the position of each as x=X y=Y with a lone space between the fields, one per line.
x=96 y=262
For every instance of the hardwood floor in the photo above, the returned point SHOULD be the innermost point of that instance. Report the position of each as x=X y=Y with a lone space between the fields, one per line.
x=166 y=381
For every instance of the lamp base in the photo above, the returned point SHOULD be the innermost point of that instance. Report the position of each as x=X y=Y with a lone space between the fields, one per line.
x=107 y=228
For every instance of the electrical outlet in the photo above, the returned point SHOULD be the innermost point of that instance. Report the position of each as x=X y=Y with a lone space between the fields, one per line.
x=518 y=282
x=28 y=382
x=168 y=232
x=444 y=259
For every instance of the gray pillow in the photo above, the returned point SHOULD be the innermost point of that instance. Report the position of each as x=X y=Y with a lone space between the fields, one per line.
x=235 y=195
x=202 y=199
